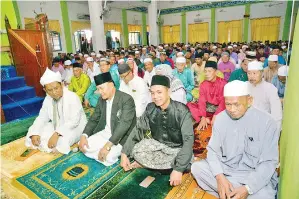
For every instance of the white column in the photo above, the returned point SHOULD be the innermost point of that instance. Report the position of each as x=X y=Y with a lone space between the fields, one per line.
x=152 y=18
x=97 y=25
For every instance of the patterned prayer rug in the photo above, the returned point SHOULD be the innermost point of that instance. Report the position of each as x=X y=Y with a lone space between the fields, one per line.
x=126 y=185
x=201 y=141
x=69 y=176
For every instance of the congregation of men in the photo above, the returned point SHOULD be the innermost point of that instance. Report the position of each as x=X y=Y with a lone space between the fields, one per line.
x=226 y=86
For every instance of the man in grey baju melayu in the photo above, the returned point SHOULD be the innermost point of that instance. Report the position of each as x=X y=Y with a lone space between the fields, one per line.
x=243 y=150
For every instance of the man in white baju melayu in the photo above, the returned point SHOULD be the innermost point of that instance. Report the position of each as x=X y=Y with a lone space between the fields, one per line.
x=242 y=152
x=265 y=95
x=61 y=119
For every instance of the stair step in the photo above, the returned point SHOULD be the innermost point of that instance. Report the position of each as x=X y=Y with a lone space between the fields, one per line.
x=12 y=83
x=28 y=107
x=8 y=72
x=17 y=94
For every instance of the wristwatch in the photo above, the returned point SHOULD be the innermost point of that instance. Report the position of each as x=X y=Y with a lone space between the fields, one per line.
x=108 y=148
x=248 y=189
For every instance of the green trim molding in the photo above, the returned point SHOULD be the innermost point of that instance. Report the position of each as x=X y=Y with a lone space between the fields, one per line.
x=287 y=21
x=125 y=27
x=66 y=26
x=17 y=12
x=246 y=23
x=7 y=9
x=213 y=22
x=144 y=39
x=184 y=27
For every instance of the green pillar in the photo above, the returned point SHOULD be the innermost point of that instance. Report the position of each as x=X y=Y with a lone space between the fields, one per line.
x=287 y=21
x=246 y=23
x=184 y=28
x=160 y=30
x=125 y=28
x=144 y=40
x=289 y=148
x=17 y=12
x=213 y=22
x=66 y=26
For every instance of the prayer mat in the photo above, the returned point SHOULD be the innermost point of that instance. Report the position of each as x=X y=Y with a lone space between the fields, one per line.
x=69 y=176
x=188 y=190
x=201 y=142
x=126 y=185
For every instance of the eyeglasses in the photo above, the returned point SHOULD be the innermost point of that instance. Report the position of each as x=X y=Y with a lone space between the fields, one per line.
x=124 y=77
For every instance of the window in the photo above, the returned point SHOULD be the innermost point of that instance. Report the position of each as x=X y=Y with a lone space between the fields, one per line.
x=171 y=34
x=230 y=31
x=134 y=38
x=55 y=41
x=198 y=32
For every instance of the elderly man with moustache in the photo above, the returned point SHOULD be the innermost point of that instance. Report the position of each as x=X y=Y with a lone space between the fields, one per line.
x=61 y=119
x=242 y=152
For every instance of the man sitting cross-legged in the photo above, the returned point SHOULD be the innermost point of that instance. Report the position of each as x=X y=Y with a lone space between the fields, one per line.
x=170 y=123
x=109 y=127
x=243 y=150
x=61 y=119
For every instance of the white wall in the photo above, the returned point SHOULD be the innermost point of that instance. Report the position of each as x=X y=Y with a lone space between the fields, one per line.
x=114 y=16
x=75 y=8
x=51 y=8
x=205 y=15
x=262 y=10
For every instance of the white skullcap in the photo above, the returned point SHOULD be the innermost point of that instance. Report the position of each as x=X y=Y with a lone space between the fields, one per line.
x=121 y=61
x=67 y=63
x=89 y=59
x=255 y=65
x=236 y=88
x=104 y=59
x=93 y=54
x=214 y=47
x=143 y=48
x=283 y=47
x=165 y=45
x=99 y=55
x=273 y=58
x=80 y=54
x=137 y=52
x=180 y=54
x=244 y=46
x=86 y=55
x=49 y=77
x=283 y=70
x=251 y=53
x=180 y=60
x=229 y=47
x=72 y=54
x=192 y=48
x=147 y=60
x=235 y=45
x=160 y=47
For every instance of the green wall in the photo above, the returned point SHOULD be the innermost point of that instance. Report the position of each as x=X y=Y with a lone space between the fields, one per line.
x=184 y=27
x=7 y=9
x=66 y=26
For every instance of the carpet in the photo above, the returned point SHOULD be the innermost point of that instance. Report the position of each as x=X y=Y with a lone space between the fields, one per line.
x=201 y=141
x=126 y=185
x=69 y=176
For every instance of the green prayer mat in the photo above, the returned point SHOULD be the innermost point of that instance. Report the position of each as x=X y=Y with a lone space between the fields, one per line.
x=69 y=176
x=125 y=185
x=16 y=129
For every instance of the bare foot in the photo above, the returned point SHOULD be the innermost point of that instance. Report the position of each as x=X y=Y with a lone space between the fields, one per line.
x=55 y=151
x=136 y=165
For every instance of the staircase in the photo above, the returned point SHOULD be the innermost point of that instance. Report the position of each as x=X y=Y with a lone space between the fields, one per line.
x=18 y=100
